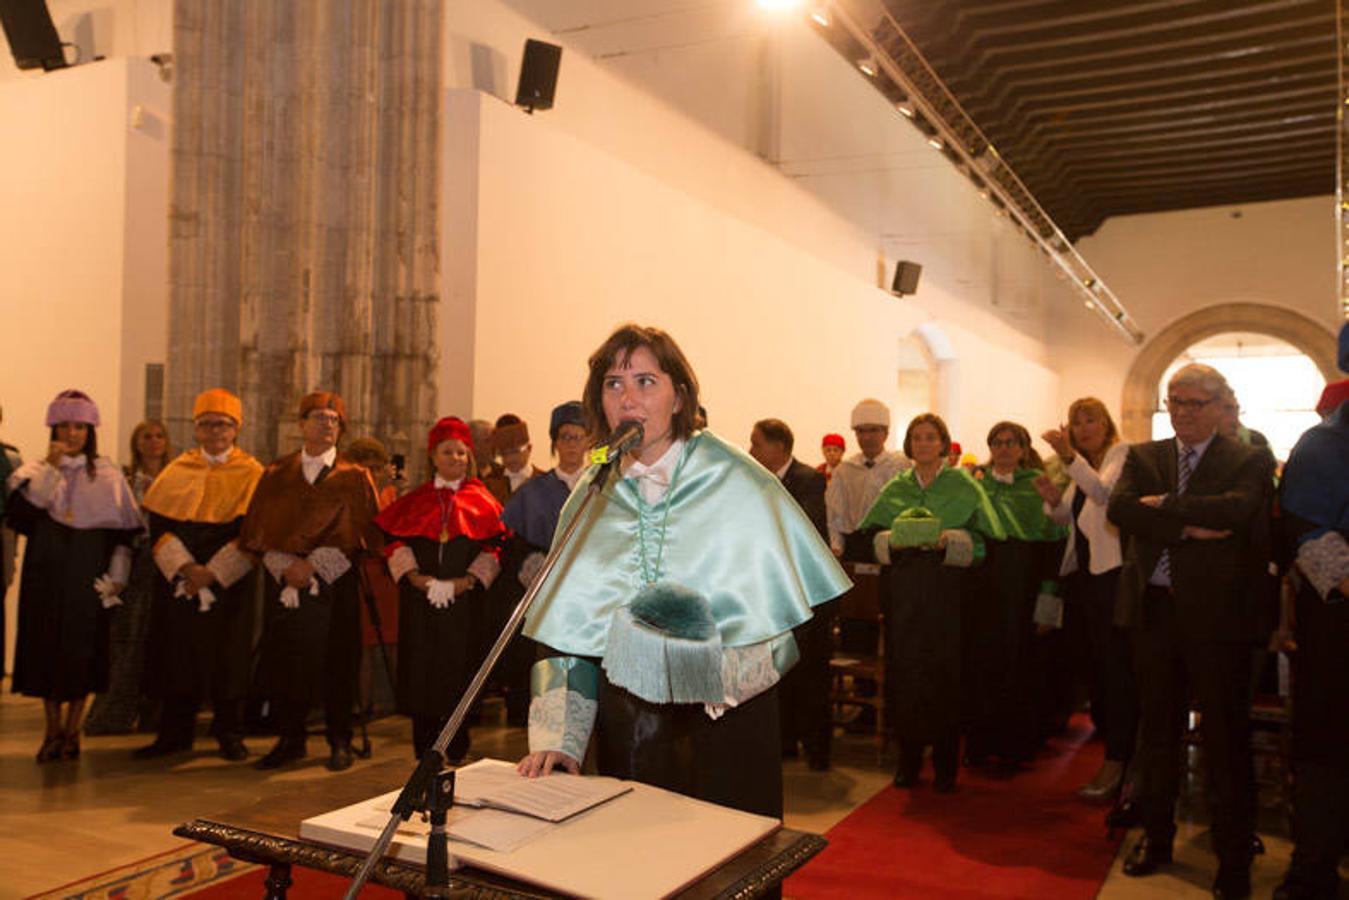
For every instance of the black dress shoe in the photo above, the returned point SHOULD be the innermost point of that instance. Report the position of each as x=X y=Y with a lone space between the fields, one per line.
x=1236 y=887
x=285 y=750
x=340 y=759
x=1146 y=857
x=232 y=749
x=160 y=748
x=905 y=778
x=1123 y=815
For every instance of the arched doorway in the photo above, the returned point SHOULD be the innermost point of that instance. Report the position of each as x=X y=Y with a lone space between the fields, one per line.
x=1140 y=385
x=1276 y=385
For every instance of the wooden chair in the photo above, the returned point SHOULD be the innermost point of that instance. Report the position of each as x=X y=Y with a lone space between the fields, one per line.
x=858 y=679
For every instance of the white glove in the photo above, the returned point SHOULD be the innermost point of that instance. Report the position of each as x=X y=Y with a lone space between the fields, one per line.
x=205 y=596
x=108 y=591
x=290 y=596
x=440 y=593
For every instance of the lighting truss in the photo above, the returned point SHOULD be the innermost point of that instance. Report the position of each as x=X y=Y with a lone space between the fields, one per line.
x=905 y=78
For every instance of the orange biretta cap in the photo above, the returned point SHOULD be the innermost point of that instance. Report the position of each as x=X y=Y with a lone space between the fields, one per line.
x=218 y=400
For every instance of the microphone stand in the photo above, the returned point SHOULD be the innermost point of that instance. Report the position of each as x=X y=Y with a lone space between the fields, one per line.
x=430 y=791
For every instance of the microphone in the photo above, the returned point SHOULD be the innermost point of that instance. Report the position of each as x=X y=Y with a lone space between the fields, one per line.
x=627 y=435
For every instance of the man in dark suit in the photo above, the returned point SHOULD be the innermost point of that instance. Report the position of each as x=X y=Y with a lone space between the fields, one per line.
x=1193 y=511
x=804 y=691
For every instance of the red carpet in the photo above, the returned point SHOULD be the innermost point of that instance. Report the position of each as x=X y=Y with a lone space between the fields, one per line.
x=1025 y=836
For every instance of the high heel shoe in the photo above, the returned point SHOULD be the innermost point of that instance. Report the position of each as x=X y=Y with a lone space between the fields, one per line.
x=51 y=749
x=70 y=746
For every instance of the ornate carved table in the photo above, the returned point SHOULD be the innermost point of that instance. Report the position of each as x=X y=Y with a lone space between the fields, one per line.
x=266 y=832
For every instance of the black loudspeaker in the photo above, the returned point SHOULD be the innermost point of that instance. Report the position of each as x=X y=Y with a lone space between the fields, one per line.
x=906 y=277
x=31 y=34
x=538 y=75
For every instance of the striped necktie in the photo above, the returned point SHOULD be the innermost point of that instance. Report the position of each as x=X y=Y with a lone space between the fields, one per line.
x=1183 y=472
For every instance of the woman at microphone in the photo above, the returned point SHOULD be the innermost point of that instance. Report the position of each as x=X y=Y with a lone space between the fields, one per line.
x=667 y=621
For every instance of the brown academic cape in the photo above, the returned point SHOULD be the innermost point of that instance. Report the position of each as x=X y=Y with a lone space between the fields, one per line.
x=290 y=515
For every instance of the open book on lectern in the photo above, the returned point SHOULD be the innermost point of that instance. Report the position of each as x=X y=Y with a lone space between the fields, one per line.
x=494 y=784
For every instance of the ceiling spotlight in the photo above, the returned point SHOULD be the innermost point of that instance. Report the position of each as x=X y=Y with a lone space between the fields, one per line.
x=1088 y=304
x=868 y=66
x=820 y=15
x=906 y=109
x=777 y=5
x=935 y=143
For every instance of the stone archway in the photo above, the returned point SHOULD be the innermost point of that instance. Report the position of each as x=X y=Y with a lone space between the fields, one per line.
x=1140 y=386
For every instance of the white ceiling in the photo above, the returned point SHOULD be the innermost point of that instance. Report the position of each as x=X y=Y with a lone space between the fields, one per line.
x=768 y=83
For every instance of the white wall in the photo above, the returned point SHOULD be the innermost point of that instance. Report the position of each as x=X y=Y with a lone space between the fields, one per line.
x=1164 y=266
x=587 y=241
x=83 y=246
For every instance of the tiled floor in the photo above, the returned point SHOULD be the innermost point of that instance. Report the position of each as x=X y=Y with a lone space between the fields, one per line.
x=64 y=821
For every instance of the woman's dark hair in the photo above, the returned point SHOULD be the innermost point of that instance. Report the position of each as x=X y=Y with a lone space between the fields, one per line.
x=1030 y=459
x=90 y=449
x=927 y=419
x=618 y=349
x=137 y=463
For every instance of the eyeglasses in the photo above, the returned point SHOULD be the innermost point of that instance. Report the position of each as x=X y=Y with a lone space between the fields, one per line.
x=1004 y=442
x=214 y=424
x=325 y=418
x=1175 y=404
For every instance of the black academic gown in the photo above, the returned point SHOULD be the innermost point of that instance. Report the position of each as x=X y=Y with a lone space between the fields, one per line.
x=62 y=648
x=437 y=654
x=195 y=655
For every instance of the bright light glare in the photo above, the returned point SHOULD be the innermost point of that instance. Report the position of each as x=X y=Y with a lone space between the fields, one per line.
x=781 y=4
x=1277 y=394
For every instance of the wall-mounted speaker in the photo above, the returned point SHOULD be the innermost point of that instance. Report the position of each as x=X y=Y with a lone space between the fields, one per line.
x=32 y=36
x=906 y=277
x=538 y=75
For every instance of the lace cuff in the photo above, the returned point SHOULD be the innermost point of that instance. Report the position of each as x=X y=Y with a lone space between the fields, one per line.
x=402 y=562
x=880 y=546
x=746 y=672
x=171 y=555
x=959 y=548
x=119 y=568
x=530 y=569
x=229 y=564
x=485 y=568
x=43 y=480
x=276 y=563
x=562 y=711
x=330 y=563
x=1048 y=610
x=1325 y=562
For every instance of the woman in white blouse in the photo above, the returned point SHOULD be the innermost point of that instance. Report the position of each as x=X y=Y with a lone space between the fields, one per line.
x=1093 y=456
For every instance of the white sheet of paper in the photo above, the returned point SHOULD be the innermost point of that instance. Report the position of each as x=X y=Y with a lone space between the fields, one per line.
x=492 y=829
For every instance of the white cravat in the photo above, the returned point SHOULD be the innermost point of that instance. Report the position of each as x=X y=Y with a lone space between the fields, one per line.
x=313 y=465
x=518 y=478
x=570 y=480
x=219 y=460
x=442 y=484
x=653 y=480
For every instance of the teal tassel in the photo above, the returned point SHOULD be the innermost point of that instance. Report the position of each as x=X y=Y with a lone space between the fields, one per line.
x=665 y=648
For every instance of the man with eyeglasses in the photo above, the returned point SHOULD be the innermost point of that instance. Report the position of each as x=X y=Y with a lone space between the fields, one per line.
x=201 y=620
x=1193 y=513
x=311 y=517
